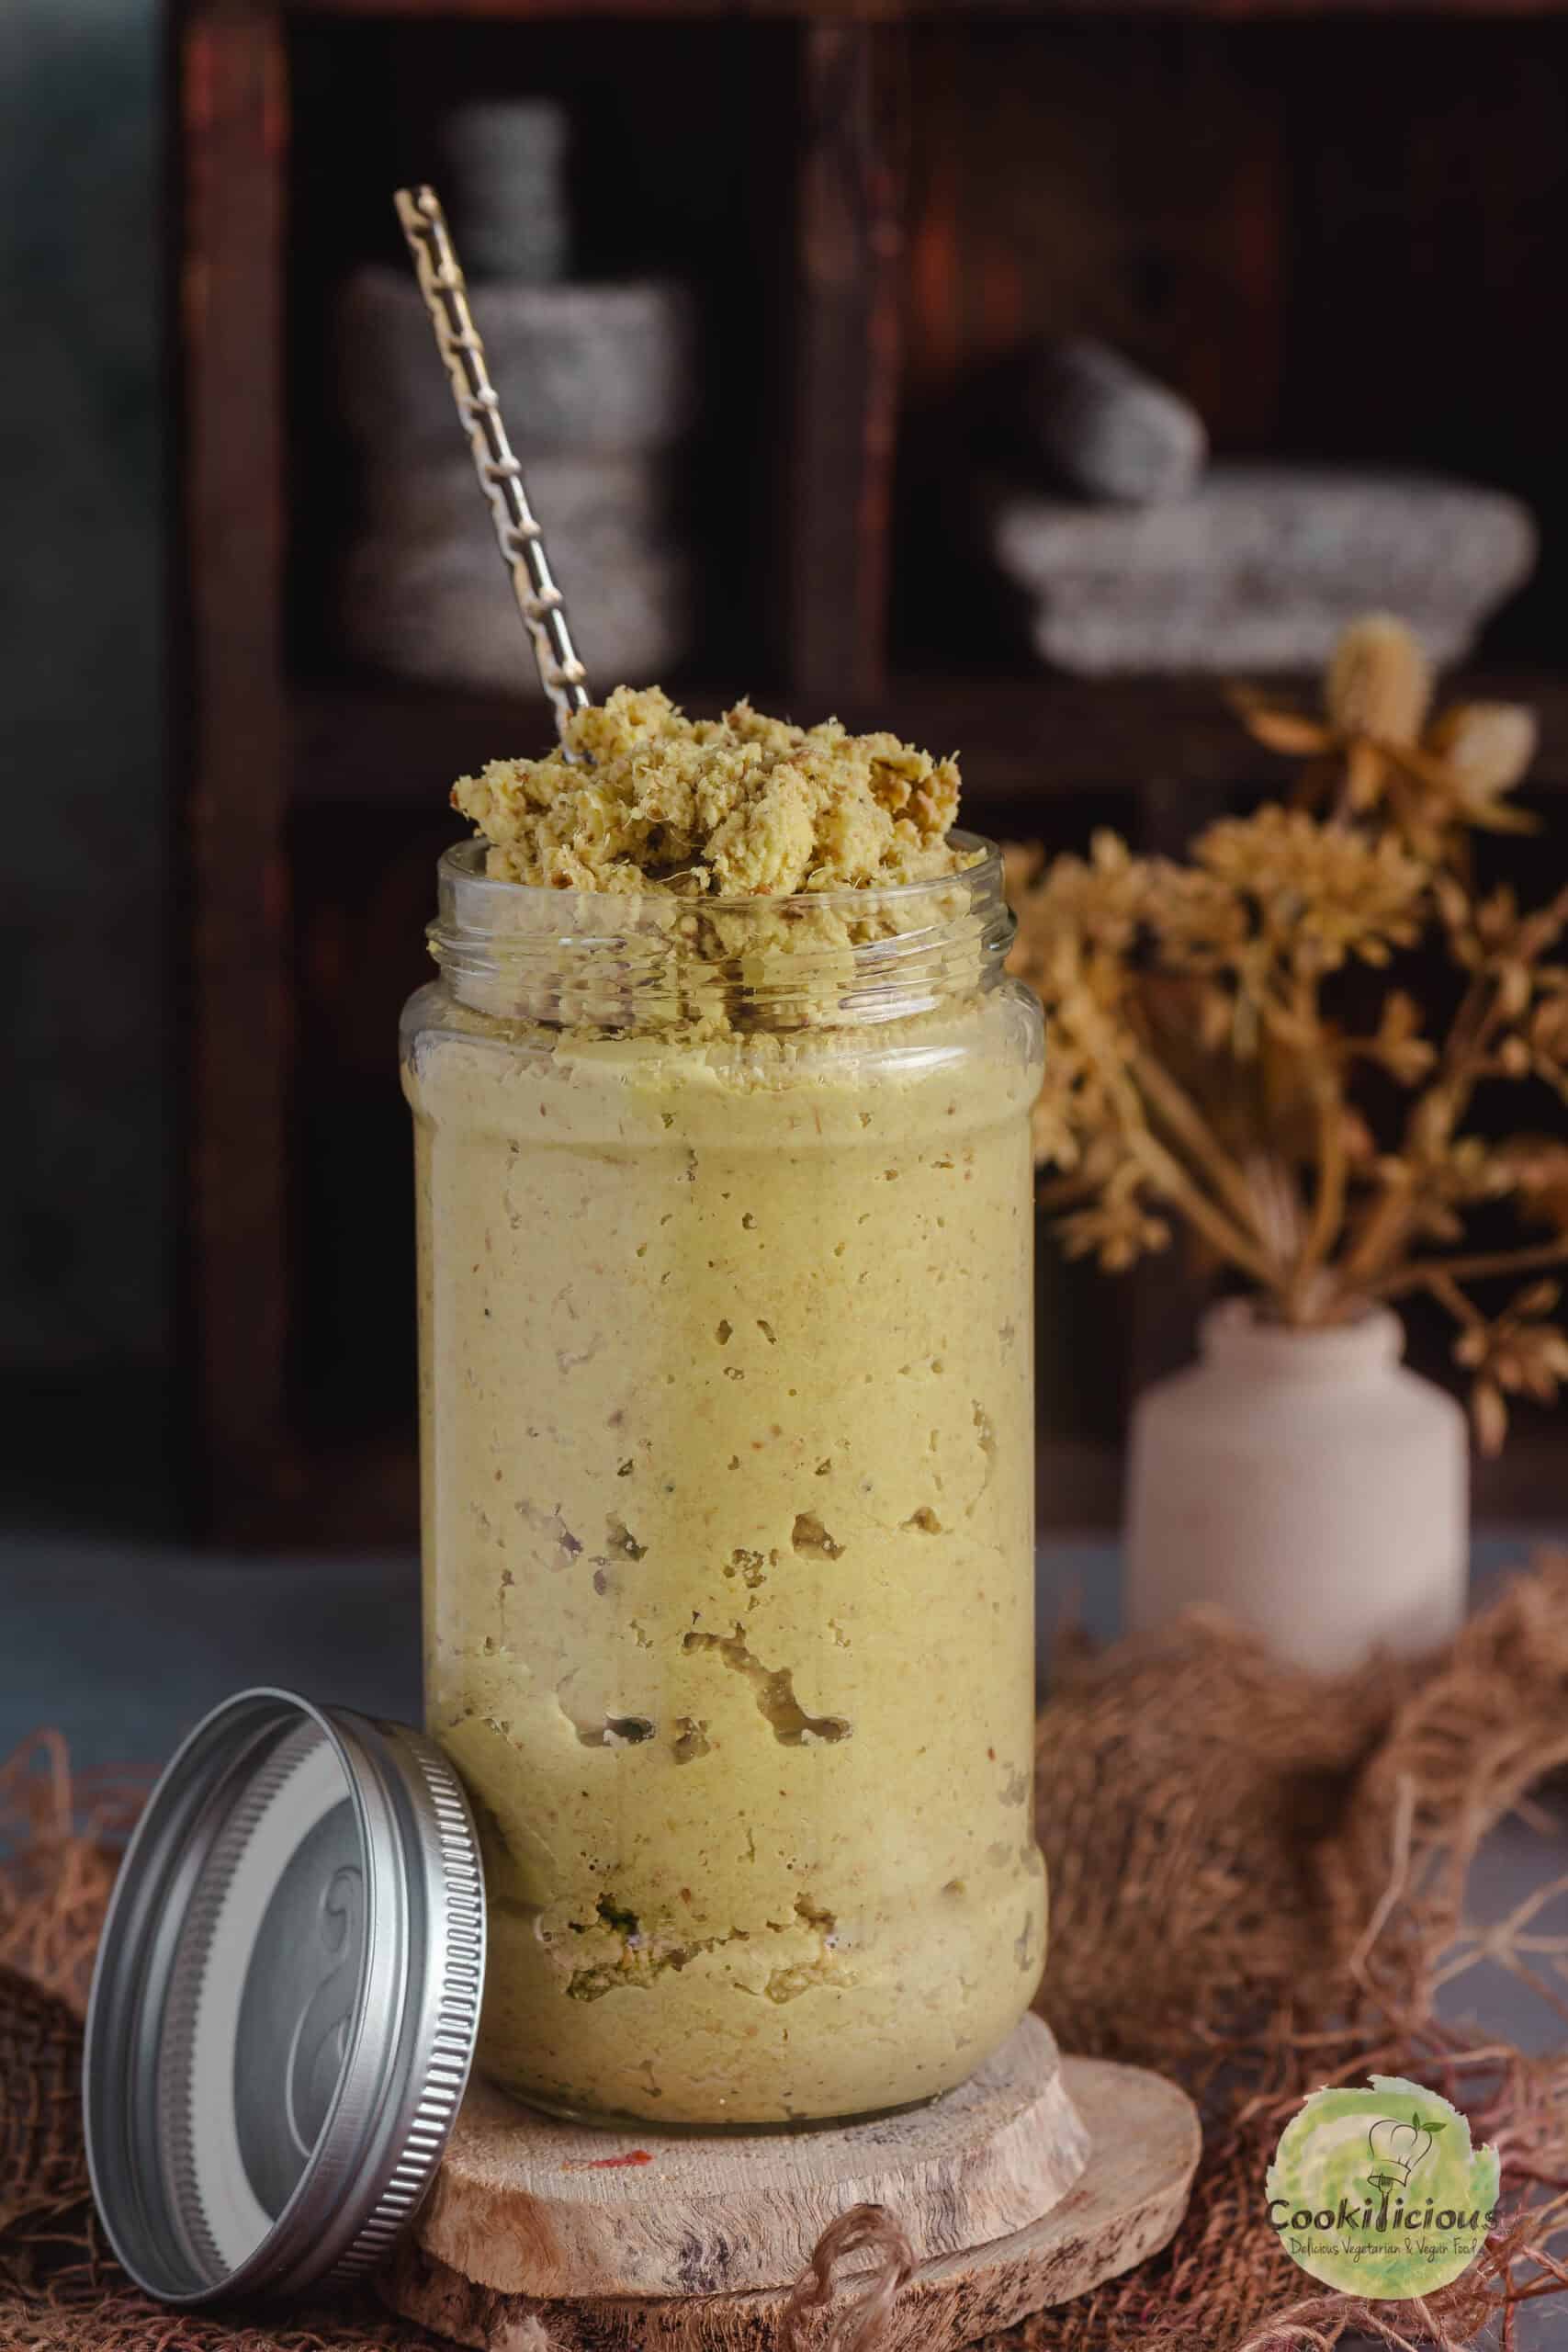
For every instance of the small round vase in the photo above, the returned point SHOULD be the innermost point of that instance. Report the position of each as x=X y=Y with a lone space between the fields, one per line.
x=1307 y=1484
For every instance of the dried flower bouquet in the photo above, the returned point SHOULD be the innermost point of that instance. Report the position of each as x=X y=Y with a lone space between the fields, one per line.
x=1230 y=1045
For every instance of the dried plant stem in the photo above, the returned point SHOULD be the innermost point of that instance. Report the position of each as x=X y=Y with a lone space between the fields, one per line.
x=1170 y=1180
x=1427 y=1275
x=1180 y=1116
x=1466 y=1060
x=1378 y=1242
x=1328 y=1207
x=1167 y=1173
x=1387 y=1230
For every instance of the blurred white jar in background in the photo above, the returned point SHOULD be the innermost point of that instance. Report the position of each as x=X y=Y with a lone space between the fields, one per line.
x=1305 y=1482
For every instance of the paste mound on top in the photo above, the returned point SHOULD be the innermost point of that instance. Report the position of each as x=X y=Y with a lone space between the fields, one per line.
x=739 y=807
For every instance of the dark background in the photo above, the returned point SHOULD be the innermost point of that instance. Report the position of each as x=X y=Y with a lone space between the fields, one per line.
x=86 y=1177
x=1338 y=230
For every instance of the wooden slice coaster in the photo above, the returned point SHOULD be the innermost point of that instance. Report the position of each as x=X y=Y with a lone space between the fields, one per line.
x=536 y=2207
x=1124 y=2205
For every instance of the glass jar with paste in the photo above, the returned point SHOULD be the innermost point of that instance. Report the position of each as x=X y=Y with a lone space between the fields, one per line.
x=725 y=1240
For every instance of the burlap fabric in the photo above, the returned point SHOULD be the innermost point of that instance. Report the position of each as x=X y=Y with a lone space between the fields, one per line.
x=1259 y=1885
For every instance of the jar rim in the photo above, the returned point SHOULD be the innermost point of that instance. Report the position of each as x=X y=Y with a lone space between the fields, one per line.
x=461 y=866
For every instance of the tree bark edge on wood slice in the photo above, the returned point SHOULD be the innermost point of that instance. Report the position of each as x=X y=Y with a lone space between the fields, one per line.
x=1126 y=2205
x=534 y=2206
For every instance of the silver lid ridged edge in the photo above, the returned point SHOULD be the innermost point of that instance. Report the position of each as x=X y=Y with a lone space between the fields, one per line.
x=415 y=2019
x=457 y=2019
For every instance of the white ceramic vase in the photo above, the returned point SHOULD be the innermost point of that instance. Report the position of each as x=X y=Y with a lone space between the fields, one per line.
x=1307 y=1484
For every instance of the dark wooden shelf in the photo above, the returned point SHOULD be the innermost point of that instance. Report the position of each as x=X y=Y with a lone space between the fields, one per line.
x=893 y=212
x=1020 y=739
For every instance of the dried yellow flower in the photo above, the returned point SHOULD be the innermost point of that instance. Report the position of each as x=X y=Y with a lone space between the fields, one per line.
x=1374 y=757
x=1203 y=1067
x=1323 y=892
x=1397 y=1043
x=1378 y=683
x=1488 y=746
x=1516 y=1354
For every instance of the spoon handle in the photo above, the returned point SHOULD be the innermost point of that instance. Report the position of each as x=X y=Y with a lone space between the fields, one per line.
x=518 y=530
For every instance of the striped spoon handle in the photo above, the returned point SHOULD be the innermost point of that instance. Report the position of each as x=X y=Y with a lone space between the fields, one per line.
x=518 y=529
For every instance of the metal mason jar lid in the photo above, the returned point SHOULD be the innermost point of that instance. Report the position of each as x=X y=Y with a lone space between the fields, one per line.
x=286 y=2000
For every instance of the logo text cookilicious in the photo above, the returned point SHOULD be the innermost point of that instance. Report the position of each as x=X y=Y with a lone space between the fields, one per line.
x=1354 y=2231
x=1378 y=2188
x=1369 y=2217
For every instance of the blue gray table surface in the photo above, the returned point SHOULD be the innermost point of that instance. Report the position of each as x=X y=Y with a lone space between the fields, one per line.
x=123 y=1644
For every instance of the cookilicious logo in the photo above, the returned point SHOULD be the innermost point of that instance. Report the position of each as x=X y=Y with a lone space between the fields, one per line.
x=1377 y=2191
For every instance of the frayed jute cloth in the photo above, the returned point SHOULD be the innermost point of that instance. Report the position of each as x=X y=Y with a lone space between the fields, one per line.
x=1259 y=1886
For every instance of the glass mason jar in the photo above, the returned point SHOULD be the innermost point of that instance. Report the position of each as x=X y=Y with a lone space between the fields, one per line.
x=725 y=1240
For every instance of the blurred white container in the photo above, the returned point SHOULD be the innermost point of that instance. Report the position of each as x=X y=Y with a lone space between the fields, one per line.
x=1305 y=1483
x=503 y=169
x=599 y=388
x=579 y=367
x=423 y=595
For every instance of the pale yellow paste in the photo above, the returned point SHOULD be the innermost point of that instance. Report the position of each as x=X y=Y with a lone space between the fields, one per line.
x=726 y=1403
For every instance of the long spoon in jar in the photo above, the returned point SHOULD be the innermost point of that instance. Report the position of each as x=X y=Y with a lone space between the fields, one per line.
x=518 y=530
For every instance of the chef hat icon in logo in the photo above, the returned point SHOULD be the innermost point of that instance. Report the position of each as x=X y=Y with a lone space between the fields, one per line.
x=1400 y=2147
